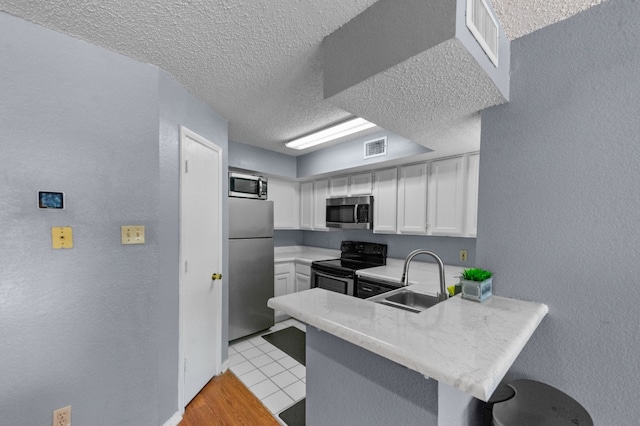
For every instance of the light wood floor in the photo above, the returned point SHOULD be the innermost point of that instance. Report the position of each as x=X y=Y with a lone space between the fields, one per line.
x=225 y=401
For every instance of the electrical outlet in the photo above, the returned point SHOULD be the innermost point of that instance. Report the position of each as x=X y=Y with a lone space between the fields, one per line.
x=62 y=416
x=131 y=234
x=463 y=255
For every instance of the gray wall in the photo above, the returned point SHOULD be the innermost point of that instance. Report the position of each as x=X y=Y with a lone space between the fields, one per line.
x=178 y=107
x=94 y=326
x=348 y=385
x=558 y=217
x=249 y=157
x=351 y=154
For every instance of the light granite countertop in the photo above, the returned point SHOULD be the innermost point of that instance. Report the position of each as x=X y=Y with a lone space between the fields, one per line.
x=304 y=254
x=464 y=344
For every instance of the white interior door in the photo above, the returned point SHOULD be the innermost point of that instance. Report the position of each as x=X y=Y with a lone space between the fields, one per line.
x=200 y=258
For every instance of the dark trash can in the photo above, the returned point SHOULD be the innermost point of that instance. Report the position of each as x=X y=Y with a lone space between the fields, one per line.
x=531 y=403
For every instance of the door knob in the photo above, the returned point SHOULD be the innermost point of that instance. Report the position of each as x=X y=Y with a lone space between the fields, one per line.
x=216 y=276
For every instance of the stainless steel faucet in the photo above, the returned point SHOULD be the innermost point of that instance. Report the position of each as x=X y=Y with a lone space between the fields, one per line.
x=443 y=295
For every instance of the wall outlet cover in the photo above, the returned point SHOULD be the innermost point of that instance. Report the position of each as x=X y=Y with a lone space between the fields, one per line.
x=132 y=234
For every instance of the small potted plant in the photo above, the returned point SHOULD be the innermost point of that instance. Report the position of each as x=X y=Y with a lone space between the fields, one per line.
x=476 y=284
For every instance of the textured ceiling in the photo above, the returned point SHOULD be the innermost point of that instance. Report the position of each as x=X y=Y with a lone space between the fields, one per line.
x=256 y=62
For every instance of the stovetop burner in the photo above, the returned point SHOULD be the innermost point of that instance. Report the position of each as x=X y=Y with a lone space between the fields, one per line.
x=355 y=255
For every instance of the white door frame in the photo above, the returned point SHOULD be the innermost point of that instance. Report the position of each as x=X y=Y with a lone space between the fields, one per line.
x=186 y=133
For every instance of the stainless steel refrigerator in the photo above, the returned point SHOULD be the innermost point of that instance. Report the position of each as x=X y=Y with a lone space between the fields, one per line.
x=250 y=266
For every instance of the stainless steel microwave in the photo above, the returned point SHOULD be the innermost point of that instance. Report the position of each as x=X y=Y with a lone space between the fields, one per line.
x=247 y=186
x=350 y=212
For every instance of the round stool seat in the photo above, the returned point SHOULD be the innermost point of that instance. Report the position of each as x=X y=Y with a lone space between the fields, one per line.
x=538 y=404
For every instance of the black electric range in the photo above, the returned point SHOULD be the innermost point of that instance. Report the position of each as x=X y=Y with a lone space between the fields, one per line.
x=339 y=274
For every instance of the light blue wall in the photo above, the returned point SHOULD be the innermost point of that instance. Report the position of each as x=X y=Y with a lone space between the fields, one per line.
x=260 y=160
x=348 y=385
x=558 y=217
x=94 y=326
x=178 y=107
x=351 y=154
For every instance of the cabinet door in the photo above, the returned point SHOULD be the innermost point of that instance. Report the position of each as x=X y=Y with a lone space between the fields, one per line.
x=471 y=210
x=385 y=201
x=303 y=282
x=283 y=284
x=286 y=204
x=306 y=205
x=320 y=195
x=412 y=199
x=446 y=197
x=339 y=186
x=360 y=184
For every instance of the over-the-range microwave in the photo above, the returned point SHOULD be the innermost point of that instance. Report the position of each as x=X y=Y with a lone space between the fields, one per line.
x=350 y=212
x=247 y=186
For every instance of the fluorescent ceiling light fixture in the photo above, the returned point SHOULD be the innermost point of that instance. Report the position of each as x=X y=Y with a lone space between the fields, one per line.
x=331 y=133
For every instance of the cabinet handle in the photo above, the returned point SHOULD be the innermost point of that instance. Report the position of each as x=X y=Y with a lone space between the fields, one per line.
x=367 y=289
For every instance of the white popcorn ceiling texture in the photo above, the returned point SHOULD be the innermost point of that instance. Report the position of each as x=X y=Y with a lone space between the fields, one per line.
x=256 y=62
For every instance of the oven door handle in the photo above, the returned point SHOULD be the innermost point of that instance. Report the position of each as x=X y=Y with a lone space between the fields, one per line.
x=333 y=277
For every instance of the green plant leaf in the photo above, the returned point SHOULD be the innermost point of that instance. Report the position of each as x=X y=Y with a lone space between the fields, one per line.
x=476 y=274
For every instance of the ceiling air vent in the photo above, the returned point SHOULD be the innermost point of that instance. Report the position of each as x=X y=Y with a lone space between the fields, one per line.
x=375 y=148
x=484 y=27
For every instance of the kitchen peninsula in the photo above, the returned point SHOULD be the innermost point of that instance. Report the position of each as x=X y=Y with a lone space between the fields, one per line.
x=367 y=362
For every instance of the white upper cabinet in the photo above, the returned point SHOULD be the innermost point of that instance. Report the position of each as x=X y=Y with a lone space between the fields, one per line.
x=385 y=200
x=286 y=203
x=306 y=205
x=412 y=199
x=339 y=186
x=473 y=173
x=320 y=195
x=360 y=184
x=446 y=197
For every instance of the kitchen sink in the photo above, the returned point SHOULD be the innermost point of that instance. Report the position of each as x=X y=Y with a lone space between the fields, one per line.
x=406 y=299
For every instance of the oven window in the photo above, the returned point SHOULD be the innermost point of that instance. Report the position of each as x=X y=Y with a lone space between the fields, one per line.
x=332 y=284
x=340 y=214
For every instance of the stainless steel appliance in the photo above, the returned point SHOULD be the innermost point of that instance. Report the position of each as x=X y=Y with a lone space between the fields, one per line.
x=247 y=186
x=350 y=212
x=250 y=266
x=339 y=274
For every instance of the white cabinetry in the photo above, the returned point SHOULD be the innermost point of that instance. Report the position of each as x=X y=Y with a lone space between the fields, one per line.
x=360 y=184
x=320 y=195
x=339 y=186
x=283 y=284
x=446 y=197
x=303 y=276
x=306 y=205
x=286 y=204
x=412 y=199
x=384 y=201
x=473 y=172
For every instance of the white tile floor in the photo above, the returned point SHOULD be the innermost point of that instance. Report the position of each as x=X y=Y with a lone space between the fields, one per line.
x=275 y=378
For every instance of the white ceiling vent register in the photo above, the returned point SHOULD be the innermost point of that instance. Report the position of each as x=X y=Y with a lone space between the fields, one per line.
x=484 y=27
x=375 y=148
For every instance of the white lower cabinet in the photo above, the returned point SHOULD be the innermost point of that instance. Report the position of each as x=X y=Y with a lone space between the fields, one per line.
x=303 y=276
x=284 y=283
